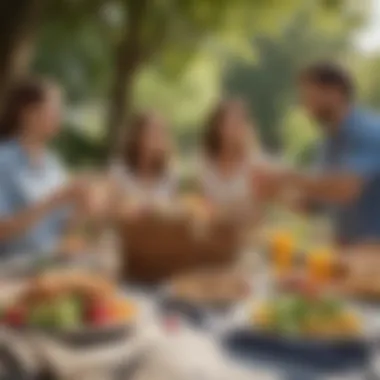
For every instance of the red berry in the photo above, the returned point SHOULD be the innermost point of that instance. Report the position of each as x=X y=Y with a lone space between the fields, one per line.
x=15 y=316
x=172 y=323
x=99 y=313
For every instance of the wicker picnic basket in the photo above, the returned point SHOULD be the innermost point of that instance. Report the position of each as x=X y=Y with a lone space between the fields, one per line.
x=155 y=248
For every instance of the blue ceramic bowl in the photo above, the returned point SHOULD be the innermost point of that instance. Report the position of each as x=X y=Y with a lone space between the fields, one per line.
x=325 y=355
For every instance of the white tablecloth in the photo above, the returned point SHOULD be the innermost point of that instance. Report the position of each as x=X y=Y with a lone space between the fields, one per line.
x=184 y=353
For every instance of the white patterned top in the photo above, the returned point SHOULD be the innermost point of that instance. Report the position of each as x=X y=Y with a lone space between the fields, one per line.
x=228 y=189
x=161 y=189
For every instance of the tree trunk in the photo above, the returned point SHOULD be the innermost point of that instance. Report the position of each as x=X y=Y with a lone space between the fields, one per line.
x=18 y=23
x=120 y=101
x=128 y=59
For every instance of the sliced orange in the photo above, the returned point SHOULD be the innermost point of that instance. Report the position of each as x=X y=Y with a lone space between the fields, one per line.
x=124 y=310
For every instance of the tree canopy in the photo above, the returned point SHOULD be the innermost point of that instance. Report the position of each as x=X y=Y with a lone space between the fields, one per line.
x=113 y=56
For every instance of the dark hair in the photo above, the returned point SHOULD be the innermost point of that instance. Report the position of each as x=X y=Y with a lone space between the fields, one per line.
x=212 y=137
x=23 y=94
x=132 y=147
x=328 y=74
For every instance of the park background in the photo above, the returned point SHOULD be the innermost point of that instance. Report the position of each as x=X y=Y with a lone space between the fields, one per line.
x=179 y=57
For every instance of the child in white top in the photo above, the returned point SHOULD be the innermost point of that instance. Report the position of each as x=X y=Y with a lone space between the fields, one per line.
x=145 y=172
x=230 y=150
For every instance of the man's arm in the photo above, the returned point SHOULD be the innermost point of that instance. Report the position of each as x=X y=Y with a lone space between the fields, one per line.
x=359 y=164
x=300 y=203
x=338 y=188
x=298 y=189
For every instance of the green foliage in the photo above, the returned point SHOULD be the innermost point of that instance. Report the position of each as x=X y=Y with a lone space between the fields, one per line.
x=183 y=46
x=368 y=74
x=77 y=149
x=77 y=54
x=185 y=101
x=269 y=84
x=299 y=136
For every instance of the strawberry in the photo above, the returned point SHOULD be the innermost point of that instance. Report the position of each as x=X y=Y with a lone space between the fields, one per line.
x=99 y=313
x=172 y=323
x=15 y=316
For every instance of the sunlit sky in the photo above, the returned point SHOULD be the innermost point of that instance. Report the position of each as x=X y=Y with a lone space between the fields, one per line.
x=368 y=39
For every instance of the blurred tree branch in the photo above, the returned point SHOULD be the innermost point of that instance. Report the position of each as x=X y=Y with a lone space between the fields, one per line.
x=128 y=56
x=169 y=29
x=18 y=24
x=91 y=45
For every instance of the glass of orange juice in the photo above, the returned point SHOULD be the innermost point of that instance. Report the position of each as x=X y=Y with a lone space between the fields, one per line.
x=320 y=264
x=282 y=249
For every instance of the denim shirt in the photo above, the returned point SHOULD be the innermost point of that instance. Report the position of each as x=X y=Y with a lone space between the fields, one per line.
x=356 y=149
x=22 y=185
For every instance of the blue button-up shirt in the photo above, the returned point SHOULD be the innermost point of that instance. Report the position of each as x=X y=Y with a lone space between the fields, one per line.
x=22 y=185
x=356 y=149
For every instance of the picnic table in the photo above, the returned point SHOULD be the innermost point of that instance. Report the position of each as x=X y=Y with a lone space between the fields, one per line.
x=185 y=352
x=272 y=367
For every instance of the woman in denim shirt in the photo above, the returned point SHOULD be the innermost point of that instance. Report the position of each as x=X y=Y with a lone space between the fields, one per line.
x=35 y=196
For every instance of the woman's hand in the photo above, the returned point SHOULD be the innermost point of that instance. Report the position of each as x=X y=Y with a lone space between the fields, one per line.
x=75 y=192
x=16 y=224
x=92 y=197
x=74 y=244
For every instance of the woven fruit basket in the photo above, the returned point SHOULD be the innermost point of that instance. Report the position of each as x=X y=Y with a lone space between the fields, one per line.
x=156 y=248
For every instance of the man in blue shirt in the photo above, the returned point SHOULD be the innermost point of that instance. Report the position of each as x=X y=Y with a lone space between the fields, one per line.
x=347 y=179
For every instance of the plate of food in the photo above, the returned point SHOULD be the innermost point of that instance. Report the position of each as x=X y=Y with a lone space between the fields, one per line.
x=352 y=277
x=197 y=294
x=74 y=307
x=319 y=330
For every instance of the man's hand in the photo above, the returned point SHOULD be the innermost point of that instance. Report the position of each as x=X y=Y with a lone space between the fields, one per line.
x=336 y=188
x=269 y=182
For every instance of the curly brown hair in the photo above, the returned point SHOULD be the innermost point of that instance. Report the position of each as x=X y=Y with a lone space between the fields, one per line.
x=133 y=146
x=23 y=94
x=212 y=136
x=329 y=75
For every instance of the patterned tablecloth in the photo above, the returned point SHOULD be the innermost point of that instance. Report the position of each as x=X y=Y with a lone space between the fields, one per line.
x=158 y=351
x=34 y=354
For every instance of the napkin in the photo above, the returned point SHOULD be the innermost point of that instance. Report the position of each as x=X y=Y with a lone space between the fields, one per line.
x=36 y=352
x=190 y=354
